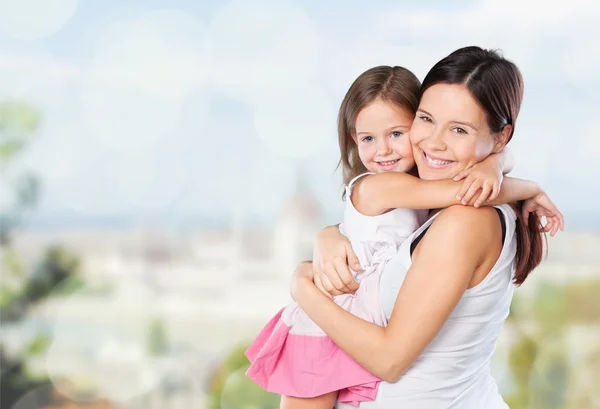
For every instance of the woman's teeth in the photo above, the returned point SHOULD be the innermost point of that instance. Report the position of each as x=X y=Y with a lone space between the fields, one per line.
x=437 y=162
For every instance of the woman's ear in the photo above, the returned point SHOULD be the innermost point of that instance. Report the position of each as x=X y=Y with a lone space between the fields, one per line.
x=502 y=138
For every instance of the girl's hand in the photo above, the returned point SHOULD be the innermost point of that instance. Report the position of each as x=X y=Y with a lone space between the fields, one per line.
x=487 y=176
x=542 y=206
x=331 y=257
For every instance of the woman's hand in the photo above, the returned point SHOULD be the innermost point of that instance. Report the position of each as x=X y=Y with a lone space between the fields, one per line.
x=303 y=275
x=487 y=176
x=542 y=206
x=331 y=257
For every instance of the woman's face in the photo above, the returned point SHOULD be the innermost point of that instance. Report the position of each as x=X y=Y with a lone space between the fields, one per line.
x=450 y=132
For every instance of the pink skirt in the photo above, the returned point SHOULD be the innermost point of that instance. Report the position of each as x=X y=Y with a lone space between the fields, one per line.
x=292 y=356
x=306 y=366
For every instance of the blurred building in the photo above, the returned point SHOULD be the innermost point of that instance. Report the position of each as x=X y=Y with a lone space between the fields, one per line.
x=230 y=266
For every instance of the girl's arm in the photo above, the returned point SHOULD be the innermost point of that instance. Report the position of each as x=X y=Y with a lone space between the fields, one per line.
x=502 y=162
x=440 y=273
x=485 y=178
x=376 y=194
x=507 y=160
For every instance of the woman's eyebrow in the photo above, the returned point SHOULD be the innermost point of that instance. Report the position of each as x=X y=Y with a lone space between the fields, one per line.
x=465 y=124
x=425 y=112
x=454 y=122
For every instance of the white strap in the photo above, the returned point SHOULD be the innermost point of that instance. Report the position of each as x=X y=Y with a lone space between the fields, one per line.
x=349 y=187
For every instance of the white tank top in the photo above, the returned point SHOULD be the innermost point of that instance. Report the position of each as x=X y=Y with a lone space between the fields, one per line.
x=454 y=370
x=392 y=227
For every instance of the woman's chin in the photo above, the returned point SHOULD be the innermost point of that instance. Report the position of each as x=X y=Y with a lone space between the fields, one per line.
x=427 y=173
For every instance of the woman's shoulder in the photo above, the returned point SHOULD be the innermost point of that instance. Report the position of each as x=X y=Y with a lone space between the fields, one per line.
x=460 y=221
x=461 y=215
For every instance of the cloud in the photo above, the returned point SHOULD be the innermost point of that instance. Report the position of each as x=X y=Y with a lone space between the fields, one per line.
x=227 y=107
x=37 y=77
x=261 y=47
x=297 y=124
x=522 y=29
x=161 y=52
x=34 y=19
x=136 y=86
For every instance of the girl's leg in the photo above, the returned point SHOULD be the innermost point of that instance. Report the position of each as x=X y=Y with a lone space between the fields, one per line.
x=326 y=401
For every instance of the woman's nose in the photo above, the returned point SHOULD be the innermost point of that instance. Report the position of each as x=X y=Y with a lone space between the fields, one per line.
x=436 y=139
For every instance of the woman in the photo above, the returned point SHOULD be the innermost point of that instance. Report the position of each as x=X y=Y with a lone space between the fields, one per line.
x=448 y=292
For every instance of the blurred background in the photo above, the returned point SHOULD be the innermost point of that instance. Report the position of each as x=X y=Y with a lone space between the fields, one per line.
x=165 y=165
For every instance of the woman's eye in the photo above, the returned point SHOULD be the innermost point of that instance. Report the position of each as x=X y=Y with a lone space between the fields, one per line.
x=425 y=118
x=367 y=139
x=397 y=134
x=459 y=130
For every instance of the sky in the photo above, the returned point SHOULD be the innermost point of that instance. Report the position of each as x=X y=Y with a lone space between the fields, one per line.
x=184 y=112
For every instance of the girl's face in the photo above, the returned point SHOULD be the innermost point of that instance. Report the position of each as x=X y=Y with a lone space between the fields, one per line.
x=450 y=132
x=381 y=135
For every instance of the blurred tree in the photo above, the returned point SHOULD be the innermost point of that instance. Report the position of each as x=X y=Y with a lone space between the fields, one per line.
x=582 y=302
x=20 y=188
x=57 y=270
x=158 y=342
x=229 y=387
x=549 y=309
x=542 y=372
x=19 y=289
x=521 y=360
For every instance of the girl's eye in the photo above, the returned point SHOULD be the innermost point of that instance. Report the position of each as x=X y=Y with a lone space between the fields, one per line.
x=397 y=134
x=367 y=139
x=460 y=130
x=425 y=118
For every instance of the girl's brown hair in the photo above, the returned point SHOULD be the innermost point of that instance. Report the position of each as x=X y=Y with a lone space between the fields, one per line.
x=391 y=84
x=497 y=85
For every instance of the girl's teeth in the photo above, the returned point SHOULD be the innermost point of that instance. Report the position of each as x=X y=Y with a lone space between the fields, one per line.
x=388 y=163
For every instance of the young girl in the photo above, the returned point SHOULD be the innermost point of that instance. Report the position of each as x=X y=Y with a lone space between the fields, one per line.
x=292 y=356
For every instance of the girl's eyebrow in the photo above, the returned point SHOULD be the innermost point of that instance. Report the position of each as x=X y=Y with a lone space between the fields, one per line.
x=387 y=129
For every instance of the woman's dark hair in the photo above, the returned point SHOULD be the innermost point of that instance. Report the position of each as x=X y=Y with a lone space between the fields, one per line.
x=497 y=85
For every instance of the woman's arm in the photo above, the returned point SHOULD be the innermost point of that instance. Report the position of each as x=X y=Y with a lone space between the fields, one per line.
x=449 y=255
x=333 y=251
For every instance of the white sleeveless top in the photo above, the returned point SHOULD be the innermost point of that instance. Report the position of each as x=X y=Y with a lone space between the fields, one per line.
x=375 y=240
x=454 y=370
x=390 y=228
